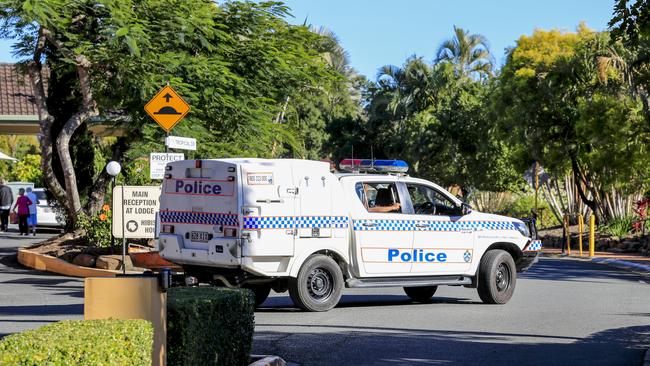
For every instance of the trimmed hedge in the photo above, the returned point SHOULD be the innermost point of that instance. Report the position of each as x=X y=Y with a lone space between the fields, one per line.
x=209 y=326
x=81 y=342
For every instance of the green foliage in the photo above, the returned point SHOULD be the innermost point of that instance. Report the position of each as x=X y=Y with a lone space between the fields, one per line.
x=76 y=342
x=618 y=227
x=209 y=326
x=437 y=122
x=523 y=204
x=28 y=169
x=564 y=100
x=96 y=228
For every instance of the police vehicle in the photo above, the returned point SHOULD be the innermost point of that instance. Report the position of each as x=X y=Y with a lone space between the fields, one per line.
x=287 y=224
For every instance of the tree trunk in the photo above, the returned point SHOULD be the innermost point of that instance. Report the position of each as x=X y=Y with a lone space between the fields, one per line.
x=88 y=109
x=45 y=121
x=580 y=179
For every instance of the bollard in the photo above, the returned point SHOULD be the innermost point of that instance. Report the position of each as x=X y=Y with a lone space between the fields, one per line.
x=592 y=235
x=581 y=228
x=568 y=234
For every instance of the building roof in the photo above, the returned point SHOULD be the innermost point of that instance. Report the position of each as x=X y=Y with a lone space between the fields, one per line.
x=16 y=93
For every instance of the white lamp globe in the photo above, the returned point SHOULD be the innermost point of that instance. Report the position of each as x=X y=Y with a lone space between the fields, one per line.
x=113 y=168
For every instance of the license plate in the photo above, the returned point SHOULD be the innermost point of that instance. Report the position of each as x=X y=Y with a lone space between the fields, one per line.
x=200 y=236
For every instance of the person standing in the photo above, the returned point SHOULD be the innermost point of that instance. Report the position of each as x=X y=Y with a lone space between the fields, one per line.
x=6 y=199
x=32 y=219
x=22 y=206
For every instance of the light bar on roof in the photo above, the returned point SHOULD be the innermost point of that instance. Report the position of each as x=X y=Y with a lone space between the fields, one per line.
x=373 y=166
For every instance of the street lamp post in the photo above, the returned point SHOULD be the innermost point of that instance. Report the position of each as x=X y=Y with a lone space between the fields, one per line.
x=113 y=168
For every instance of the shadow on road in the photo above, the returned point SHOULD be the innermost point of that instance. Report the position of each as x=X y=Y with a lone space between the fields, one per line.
x=574 y=270
x=373 y=346
x=70 y=309
x=280 y=304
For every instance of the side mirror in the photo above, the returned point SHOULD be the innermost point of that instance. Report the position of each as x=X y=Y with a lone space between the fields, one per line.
x=465 y=208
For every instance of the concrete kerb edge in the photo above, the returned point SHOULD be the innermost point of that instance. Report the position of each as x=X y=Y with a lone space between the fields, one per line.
x=43 y=262
x=267 y=361
x=613 y=262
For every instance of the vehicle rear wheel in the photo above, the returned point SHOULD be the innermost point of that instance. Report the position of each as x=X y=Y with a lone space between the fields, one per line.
x=497 y=277
x=319 y=284
x=420 y=294
x=261 y=293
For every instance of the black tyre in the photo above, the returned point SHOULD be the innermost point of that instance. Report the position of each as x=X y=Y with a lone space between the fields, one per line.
x=420 y=294
x=261 y=293
x=497 y=277
x=319 y=284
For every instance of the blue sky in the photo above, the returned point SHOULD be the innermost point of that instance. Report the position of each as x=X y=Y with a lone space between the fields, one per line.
x=380 y=32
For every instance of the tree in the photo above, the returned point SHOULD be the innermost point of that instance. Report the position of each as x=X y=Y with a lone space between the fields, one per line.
x=236 y=64
x=560 y=104
x=469 y=53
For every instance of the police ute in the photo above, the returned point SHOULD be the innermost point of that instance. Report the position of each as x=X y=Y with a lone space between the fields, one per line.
x=292 y=225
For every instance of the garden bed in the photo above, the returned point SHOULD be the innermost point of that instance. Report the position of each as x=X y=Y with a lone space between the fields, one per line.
x=630 y=243
x=76 y=250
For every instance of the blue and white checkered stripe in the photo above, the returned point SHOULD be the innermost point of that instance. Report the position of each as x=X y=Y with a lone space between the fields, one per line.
x=200 y=218
x=290 y=222
x=422 y=225
x=534 y=246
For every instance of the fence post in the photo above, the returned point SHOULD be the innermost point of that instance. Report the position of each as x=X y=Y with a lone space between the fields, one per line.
x=581 y=227
x=592 y=235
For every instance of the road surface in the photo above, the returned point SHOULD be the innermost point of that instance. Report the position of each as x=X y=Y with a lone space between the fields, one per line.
x=564 y=312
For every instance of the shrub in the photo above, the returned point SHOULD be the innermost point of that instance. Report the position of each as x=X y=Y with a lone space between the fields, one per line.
x=209 y=326
x=618 y=226
x=97 y=228
x=81 y=342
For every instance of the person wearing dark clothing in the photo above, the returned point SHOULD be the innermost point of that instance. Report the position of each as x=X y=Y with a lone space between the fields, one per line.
x=22 y=206
x=6 y=199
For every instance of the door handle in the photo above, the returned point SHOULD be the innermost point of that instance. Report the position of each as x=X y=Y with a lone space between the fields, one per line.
x=422 y=226
x=368 y=224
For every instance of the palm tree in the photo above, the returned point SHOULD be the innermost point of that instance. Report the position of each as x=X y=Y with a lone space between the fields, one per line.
x=469 y=53
x=410 y=86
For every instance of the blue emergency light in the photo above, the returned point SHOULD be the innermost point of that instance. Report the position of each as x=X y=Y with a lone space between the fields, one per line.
x=373 y=166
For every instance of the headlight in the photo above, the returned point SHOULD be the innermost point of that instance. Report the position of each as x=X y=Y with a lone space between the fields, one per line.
x=522 y=228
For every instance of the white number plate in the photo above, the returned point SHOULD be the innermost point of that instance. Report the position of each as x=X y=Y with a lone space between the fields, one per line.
x=200 y=236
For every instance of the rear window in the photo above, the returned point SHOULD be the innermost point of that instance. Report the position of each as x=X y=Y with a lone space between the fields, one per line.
x=41 y=196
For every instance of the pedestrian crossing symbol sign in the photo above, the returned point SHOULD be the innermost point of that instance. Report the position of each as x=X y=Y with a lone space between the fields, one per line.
x=167 y=108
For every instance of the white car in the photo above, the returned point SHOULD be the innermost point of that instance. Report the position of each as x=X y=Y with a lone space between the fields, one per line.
x=45 y=215
x=292 y=225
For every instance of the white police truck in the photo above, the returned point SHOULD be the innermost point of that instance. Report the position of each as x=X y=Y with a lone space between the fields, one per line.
x=287 y=224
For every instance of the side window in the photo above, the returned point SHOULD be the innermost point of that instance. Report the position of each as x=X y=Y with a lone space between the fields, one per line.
x=428 y=201
x=379 y=197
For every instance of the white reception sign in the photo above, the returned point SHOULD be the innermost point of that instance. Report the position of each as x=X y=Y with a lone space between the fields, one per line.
x=140 y=206
x=157 y=162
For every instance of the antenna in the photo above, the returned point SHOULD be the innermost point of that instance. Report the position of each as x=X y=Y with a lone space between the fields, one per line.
x=372 y=159
x=352 y=157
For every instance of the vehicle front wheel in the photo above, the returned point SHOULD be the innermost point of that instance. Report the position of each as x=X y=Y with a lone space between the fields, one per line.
x=319 y=284
x=497 y=276
x=420 y=294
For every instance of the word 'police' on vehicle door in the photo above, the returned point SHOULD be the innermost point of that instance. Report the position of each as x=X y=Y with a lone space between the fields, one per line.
x=140 y=204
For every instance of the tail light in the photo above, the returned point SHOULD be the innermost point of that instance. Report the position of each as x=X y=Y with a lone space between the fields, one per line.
x=230 y=232
x=197 y=164
x=168 y=229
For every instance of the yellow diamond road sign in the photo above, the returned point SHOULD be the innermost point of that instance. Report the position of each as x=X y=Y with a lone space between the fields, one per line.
x=167 y=108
